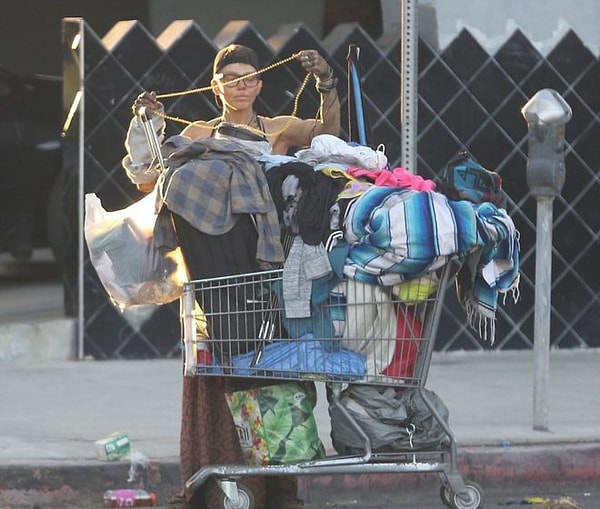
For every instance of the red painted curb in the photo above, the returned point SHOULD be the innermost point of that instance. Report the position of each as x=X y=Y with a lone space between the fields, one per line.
x=553 y=463
x=492 y=466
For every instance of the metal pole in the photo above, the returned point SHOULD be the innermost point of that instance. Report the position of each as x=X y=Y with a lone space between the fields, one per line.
x=78 y=110
x=543 y=307
x=546 y=114
x=408 y=93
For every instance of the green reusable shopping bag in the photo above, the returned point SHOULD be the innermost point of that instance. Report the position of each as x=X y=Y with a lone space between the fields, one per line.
x=276 y=424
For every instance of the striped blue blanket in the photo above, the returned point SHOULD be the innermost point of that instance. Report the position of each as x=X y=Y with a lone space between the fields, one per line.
x=397 y=234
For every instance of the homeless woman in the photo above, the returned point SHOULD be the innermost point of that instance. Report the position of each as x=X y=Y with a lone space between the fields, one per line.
x=226 y=243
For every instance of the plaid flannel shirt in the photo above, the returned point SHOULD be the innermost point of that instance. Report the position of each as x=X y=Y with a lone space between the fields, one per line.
x=210 y=182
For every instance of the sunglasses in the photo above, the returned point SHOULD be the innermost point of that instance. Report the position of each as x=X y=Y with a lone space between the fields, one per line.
x=233 y=80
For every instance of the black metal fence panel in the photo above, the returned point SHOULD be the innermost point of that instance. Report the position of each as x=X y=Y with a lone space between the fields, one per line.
x=467 y=98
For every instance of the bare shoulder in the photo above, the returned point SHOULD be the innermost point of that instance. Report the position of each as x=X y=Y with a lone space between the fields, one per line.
x=288 y=130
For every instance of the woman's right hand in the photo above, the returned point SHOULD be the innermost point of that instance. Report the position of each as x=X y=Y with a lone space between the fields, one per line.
x=148 y=101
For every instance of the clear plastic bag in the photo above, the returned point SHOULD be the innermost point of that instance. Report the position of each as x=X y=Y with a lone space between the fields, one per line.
x=132 y=267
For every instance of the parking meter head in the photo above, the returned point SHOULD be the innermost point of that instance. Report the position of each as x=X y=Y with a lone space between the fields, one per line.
x=547 y=107
x=546 y=114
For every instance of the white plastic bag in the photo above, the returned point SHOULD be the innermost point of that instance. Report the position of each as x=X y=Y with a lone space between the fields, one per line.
x=131 y=267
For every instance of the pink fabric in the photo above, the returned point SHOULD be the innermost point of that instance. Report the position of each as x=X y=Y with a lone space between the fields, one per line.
x=398 y=177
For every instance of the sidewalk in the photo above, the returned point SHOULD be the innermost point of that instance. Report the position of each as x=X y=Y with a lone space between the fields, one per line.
x=53 y=412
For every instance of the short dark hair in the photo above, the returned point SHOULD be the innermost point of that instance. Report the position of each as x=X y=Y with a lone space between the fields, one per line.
x=234 y=54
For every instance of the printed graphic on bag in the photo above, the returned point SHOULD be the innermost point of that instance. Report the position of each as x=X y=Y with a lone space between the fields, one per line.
x=276 y=424
x=463 y=178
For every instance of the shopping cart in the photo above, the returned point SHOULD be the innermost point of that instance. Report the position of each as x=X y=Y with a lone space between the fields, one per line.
x=350 y=343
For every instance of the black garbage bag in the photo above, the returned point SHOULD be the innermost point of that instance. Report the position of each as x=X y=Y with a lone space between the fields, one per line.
x=395 y=420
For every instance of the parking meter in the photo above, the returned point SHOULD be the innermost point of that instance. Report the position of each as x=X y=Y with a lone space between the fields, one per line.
x=546 y=114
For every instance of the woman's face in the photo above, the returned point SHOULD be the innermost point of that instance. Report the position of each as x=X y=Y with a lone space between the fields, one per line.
x=241 y=94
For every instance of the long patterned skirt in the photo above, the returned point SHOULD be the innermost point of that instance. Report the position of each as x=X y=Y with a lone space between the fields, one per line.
x=208 y=435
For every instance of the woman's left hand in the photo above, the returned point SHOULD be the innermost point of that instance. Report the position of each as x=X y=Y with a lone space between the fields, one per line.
x=313 y=62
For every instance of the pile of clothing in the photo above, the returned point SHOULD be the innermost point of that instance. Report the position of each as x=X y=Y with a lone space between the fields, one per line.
x=357 y=231
x=354 y=218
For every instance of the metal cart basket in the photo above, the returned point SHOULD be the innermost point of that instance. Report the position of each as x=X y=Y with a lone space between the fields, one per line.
x=356 y=334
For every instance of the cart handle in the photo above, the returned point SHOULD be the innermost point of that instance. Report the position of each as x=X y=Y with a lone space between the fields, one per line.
x=151 y=137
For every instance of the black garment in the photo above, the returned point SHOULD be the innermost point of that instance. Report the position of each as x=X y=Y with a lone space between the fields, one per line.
x=233 y=325
x=314 y=219
x=318 y=192
x=208 y=256
x=277 y=174
x=241 y=132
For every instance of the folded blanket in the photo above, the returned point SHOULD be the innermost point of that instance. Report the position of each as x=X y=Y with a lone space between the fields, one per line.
x=397 y=234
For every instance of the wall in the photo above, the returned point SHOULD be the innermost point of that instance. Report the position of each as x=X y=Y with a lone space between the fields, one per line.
x=493 y=21
x=265 y=15
x=30 y=30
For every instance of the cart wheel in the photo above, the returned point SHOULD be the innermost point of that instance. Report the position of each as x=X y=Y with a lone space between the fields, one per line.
x=245 y=499
x=446 y=496
x=473 y=498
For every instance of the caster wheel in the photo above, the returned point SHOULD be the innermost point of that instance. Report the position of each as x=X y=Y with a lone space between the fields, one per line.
x=473 y=498
x=245 y=499
x=446 y=496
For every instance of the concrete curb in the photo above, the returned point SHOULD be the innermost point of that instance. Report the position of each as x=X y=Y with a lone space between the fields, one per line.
x=75 y=485
x=62 y=484
x=39 y=341
x=553 y=463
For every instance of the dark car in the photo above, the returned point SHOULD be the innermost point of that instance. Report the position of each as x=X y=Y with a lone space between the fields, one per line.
x=30 y=165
